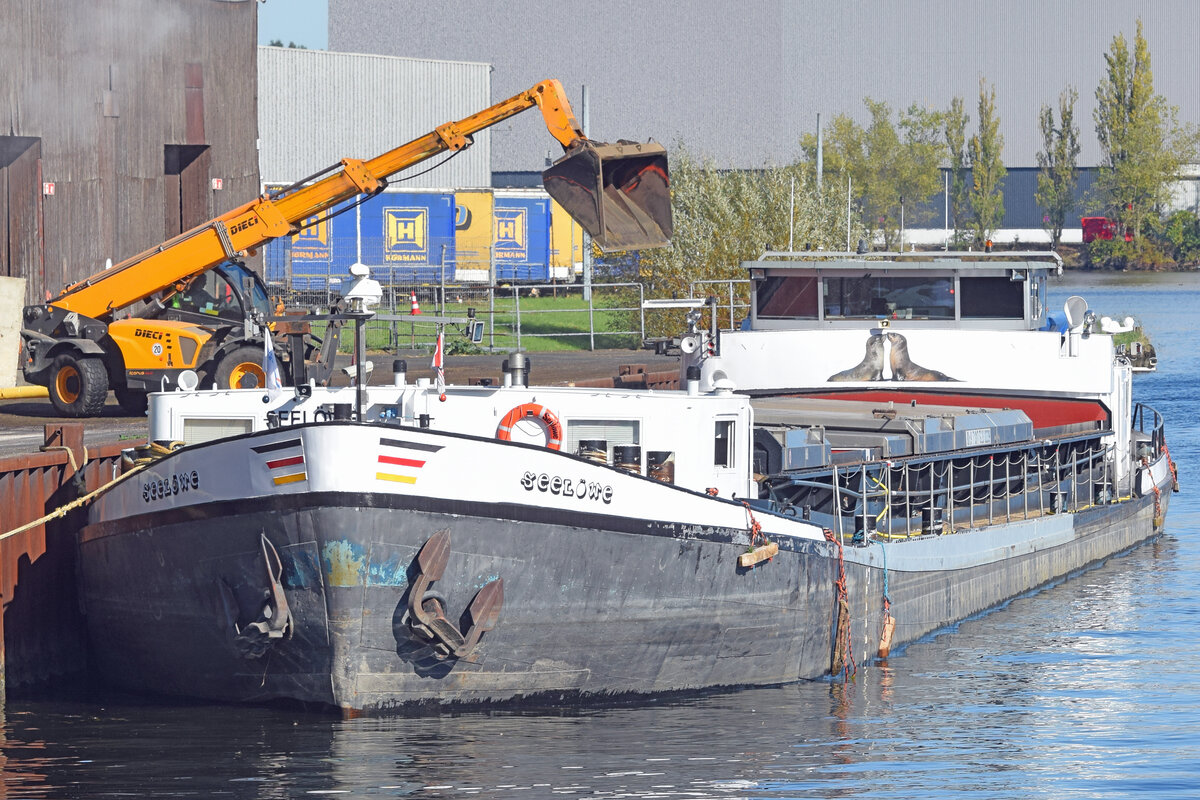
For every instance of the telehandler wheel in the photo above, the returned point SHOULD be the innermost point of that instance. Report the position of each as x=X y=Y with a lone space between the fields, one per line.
x=242 y=369
x=132 y=401
x=78 y=386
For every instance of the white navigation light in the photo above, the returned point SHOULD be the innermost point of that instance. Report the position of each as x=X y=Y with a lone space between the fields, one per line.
x=1076 y=308
x=187 y=380
x=364 y=292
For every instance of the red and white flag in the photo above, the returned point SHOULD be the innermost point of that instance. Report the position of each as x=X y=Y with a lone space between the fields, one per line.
x=439 y=363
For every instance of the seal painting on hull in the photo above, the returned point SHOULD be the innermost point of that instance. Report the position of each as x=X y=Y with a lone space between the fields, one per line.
x=870 y=368
x=890 y=349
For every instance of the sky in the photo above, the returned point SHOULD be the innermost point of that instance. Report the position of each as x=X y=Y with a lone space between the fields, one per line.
x=305 y=22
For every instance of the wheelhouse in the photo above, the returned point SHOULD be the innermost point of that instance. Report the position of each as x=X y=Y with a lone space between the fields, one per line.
x=1001 y=291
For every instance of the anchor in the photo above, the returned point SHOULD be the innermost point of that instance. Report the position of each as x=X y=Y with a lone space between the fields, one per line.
x=427 y=615
x=253 y=639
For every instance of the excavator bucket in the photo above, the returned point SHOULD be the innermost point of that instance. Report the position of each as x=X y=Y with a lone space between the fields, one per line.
x=620 y=193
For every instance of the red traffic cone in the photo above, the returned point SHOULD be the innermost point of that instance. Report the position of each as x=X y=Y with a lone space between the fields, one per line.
x=416 y=307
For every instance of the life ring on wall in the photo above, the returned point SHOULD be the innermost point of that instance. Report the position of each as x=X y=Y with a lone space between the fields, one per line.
x=545 y=415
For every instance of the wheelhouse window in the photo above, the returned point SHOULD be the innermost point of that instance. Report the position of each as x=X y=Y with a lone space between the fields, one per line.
x=723 y=444
x=884 y=297
x=991 y=298
x=787 y=297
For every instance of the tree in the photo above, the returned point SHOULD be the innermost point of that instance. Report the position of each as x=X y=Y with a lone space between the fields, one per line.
x=987 y=168
x=1142 y=146
x=1060 y=151
x=956 y=145
x=892 y=168
x=722 y=218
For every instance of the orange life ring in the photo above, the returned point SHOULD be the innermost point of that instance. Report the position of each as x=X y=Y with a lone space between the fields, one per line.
x=545 y=415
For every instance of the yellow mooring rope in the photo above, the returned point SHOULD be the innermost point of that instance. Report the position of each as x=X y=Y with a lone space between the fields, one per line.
x=155 y=450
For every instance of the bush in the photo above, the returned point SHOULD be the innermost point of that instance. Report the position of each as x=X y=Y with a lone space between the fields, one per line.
x=1143 y=253
x=1181 y=234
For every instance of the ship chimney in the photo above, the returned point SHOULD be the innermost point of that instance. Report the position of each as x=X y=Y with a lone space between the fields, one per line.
x=515 y=370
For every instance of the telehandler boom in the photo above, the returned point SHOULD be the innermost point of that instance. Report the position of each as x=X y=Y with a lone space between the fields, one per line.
x=206 y=310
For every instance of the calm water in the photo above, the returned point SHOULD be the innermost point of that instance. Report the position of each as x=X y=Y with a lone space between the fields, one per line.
x=1087 y=689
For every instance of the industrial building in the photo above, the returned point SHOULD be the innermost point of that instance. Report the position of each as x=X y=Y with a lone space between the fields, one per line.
x=124 y=122
x=440 y=219
x=127 y=121
x=740 y=83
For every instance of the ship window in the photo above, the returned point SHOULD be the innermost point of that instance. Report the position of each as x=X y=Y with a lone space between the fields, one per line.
x=611 y=431
x=883 y=297
x=723 y=444
x=1037 y=298
x=787 y=297
x=207 y=429
x=991 y=298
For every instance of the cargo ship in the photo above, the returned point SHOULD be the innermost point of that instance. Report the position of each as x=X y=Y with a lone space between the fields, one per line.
x=795 y=509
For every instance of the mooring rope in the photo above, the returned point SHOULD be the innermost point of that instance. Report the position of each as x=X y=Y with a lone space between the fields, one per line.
x=843 y=651
x=76 y=503
x=142 y=457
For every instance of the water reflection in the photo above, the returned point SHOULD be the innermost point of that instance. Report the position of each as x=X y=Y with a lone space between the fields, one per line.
x=1039 y=690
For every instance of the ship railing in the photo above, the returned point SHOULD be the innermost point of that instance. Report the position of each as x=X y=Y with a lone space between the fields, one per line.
x=916 y=496
x=733 y=299
x=1149 y=430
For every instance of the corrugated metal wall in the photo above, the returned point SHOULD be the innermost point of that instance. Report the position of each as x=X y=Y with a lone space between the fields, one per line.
x=42 y=635
x=741 y=82
x=316 y=108
x=105 y=86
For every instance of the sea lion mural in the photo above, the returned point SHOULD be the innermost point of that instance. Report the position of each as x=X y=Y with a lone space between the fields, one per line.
x=903 y=368
x=870 y=368
x=887 y=358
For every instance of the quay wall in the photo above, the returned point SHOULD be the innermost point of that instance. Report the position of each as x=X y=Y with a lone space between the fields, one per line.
x=42 y=637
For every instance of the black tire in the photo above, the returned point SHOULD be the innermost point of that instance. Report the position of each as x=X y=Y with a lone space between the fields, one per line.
x=243 y=367
x=78 y=386
x=132 y=401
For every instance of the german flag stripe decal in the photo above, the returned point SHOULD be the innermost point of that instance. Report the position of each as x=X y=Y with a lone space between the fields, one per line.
x=383 y=476
x=428 y=448
x=403 y=462
x=271 y=448
x=285 y=462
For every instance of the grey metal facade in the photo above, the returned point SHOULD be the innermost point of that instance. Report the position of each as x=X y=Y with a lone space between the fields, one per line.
x=741 y=82
x=129 y=108
x=316 y=108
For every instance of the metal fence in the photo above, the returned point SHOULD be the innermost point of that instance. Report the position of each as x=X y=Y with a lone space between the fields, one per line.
x=526 y=316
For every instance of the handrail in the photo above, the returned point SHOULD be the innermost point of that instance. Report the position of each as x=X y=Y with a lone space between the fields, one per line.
x=960 y=491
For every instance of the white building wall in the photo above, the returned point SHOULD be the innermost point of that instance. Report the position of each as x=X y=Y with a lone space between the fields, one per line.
x=316 y=108
x=741 y=82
